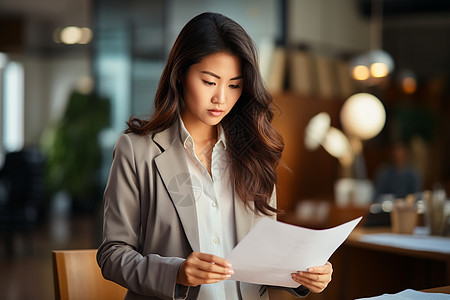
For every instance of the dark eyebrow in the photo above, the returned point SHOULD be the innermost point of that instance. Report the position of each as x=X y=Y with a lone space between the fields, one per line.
x=218 y=77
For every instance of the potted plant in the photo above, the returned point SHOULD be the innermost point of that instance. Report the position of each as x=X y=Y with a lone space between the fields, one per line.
x=72 y=149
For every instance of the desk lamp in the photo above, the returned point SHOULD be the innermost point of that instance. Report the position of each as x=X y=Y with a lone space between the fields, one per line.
x=362 y=116
x=320 y=133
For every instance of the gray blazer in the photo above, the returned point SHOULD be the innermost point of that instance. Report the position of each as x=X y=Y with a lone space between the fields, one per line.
x=150 y=219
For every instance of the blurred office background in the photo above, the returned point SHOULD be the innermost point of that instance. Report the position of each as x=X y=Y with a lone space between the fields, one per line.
x=73 y=71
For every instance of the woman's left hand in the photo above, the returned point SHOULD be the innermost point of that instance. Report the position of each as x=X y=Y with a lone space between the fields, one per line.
x=315 y=279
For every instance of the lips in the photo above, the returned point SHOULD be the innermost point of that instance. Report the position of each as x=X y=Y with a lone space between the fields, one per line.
x=215 y=112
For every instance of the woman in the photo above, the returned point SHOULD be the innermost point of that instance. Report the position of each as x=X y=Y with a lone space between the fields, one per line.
x=186 y=186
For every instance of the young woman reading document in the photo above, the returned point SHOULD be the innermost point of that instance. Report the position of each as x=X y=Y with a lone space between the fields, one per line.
x=187 y=185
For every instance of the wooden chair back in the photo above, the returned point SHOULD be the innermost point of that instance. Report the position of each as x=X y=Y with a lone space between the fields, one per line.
x=78 y=277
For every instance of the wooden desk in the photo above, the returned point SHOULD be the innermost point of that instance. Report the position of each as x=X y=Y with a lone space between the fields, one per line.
x=364 y=269
x=373 y=269
x=354 y=241
x=442 y=289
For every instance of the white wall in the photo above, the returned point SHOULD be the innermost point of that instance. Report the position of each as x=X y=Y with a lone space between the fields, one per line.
x=328 y=26
x=48 y=83
x=63 y=76
x=36 y=98
x=260 y=18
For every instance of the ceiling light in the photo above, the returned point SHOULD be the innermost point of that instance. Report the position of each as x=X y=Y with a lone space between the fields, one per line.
x=361 y=72
x=71 y=35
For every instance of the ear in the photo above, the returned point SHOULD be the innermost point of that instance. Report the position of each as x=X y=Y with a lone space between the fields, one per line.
x=180 y=81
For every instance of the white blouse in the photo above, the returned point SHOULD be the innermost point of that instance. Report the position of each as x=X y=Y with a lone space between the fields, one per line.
x=214 y=202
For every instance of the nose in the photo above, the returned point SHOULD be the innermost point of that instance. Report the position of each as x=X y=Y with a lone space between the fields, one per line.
x=219 y=96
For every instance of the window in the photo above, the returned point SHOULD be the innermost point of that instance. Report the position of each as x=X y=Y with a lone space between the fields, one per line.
x=13 y=107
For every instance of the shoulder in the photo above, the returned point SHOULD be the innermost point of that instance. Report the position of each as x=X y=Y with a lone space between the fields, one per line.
x=131 y=144
x=152 y=143
x=127 y=140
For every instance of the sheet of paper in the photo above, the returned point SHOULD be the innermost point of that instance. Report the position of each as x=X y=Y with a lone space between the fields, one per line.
x=272 y=250
x=410 y=295
x=412 y=242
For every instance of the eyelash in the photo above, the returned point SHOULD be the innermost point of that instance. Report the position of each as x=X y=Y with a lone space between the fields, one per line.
x=233 y=86
x=208 y=82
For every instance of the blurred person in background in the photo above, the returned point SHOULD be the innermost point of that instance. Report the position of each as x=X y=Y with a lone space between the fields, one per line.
x=398 y=178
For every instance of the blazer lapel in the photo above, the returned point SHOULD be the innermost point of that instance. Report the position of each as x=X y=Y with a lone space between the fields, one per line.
x=182 y=188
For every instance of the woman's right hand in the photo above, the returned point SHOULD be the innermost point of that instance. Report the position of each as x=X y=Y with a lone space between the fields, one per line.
x=201 y=268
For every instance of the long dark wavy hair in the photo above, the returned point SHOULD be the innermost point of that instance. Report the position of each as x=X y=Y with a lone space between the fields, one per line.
x=255 y=144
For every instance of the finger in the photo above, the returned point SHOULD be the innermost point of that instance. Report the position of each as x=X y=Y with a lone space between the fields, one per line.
x=214 y=259
x=194 y=276
x=313 y=286
x=314 y=279
x=325 y=269
x=314 y=276
x=206 y=262
x=212 y=263
x=205 y=276
x=213 y=268
x=203 y=268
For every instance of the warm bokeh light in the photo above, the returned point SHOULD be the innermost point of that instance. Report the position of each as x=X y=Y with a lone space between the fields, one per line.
x=381 y=57
x=316 y=130
x=86 y=35
x=371 y=66
x=379 y=70
x=336 y=143
x=318 y=133
x=363 y=116
x=409 y=85
x=407 y=80
x=360 y=72
x=71 y=35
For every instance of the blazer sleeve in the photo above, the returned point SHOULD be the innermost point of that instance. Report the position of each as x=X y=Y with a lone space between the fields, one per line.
x=118 y=255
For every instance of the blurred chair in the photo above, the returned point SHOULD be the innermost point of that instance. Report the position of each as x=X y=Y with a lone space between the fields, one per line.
x=22 y=185
x=77 y=276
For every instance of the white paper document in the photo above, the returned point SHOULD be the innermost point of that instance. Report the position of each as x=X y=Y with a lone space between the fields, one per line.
x=273 y=250
x=410 y=295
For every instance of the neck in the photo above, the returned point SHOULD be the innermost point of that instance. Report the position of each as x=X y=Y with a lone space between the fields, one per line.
x=201 y=133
